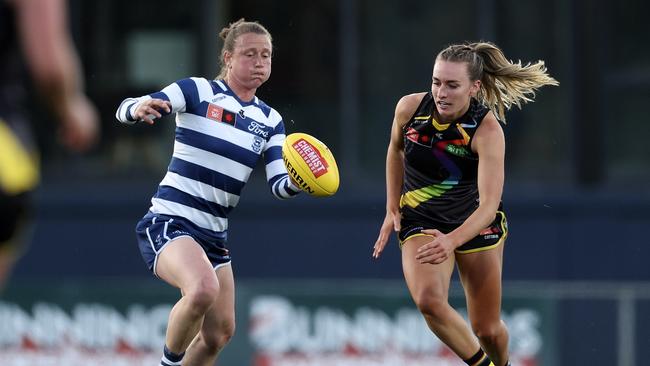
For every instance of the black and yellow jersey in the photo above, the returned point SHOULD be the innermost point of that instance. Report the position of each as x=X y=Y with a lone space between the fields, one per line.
x=18 y=157
x=440 y=177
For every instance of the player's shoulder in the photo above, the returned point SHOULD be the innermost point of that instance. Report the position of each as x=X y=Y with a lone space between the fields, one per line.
x=490 y=129
x=199 y=79
x=407 y=105
x=191 y=79
x=268 y=111
x=490 y=122
x=194 y=82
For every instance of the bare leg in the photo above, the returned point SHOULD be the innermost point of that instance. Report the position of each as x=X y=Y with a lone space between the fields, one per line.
x=183 y=264
x=480 y=273
x=7 y=261
x=429 y=287
x=218 y=325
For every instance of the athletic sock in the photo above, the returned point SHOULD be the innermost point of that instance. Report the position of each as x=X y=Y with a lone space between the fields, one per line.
x=480 y=358
x=170 y=358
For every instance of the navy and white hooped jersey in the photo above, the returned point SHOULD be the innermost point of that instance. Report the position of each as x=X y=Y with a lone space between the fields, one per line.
x=219 y=139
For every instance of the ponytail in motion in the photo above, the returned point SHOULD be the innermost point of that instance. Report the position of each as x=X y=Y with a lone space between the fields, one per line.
x=503 y=82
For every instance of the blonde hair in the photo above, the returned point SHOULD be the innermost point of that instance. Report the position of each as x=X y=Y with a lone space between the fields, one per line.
x=503 y=82
x=230 y=34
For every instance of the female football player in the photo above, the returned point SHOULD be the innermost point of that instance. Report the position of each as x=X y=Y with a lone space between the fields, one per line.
x=444 y=177
x=223 y=129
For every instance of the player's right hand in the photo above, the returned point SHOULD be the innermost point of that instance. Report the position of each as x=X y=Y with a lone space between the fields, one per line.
x=79 y=124
x=391 y=223
x=150 y=109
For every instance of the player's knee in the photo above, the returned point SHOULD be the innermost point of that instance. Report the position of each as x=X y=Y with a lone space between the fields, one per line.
x=203 y=295
x=218 y=339
x=225 y=334
x=431 y=305
x=488 y=332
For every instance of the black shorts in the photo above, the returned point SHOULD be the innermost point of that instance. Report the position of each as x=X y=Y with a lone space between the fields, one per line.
x=488 y=238
x=14 y=211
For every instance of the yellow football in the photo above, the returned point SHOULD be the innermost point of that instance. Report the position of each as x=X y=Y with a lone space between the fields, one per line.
x=311 y=164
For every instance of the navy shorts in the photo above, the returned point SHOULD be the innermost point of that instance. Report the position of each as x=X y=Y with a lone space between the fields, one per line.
x=155 y=232
x=488 y=238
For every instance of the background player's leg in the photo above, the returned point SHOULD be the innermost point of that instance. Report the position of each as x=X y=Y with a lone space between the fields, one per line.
x=218 y=324
x=480 y=273
x=429 y=287
x=7 y=260
x=14 y=231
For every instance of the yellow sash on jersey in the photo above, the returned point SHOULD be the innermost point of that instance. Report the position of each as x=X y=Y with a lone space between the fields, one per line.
x=19 y=169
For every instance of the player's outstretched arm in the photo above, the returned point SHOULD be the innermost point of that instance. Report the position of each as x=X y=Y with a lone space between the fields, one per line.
x=55 y=68
x=171 y=99
x=395 y=170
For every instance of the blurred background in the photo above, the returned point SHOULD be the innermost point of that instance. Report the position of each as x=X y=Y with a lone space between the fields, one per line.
x=577 y=194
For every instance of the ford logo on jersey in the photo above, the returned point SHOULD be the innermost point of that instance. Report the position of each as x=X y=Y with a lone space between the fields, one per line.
x=259 y=129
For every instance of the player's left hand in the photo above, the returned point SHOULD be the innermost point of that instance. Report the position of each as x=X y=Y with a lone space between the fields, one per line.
x=436 y=251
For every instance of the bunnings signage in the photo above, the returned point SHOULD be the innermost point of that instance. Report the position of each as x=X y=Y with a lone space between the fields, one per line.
x=288 y=323
x=283 y=332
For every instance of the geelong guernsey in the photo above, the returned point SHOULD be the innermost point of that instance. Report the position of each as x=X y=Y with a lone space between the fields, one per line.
x=219 y=139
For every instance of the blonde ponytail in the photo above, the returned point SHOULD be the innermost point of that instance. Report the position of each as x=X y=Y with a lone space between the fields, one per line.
x=503 y=82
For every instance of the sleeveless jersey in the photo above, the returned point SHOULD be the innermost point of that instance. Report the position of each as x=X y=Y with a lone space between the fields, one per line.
x=19 y=171
x=440 y=177
x=219 y=140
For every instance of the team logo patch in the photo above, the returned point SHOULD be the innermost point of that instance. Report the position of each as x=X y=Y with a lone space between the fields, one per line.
x=414 y=136
x=310 y=154
x=257 y=144
x=219 y=114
